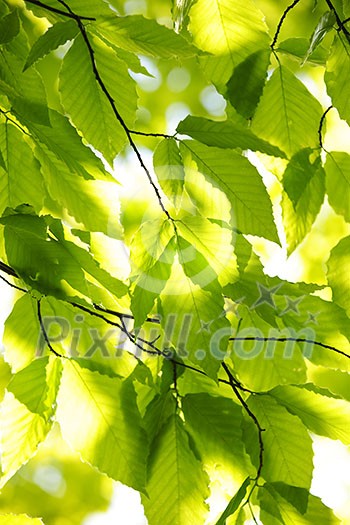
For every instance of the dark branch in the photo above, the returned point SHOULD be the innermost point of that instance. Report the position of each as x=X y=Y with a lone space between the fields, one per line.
x=252 y=417
x=293 y=339
x=320 y=140
x=280 y=23
x=121 y=315
x=112 y=103
x=340 y=23
x=144 y=134
x=46 y=337
x=9 y=119
x=13 y=285
x=7 y=269
x=59 y=11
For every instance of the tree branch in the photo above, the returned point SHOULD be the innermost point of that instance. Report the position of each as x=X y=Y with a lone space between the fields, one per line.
x=43 y=331
x=59 y=11
x=112 y=103
x=280 y=23
x=293 y=339
x=320 y=140
x=252 y=417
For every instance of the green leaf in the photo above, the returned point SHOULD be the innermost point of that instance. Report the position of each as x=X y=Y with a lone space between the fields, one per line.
x=338 y=273
x=9 y=27
x=25 y=90
x=246 y=84
x=193 y=320
x=40 y=260
x=141 y=35
x=206 y=251
x=66 y=146
x=19 y=519
x=287 y=114
x=304 y=185
x=325 y=24
x=21 y=334
x=215 y=425
x=99 y=418
x=274 y=504
x=227 y=134
x=152 y=254
x=263 y=365
x=177 y=486
x=234 y=503
x=87 y=104
x=87 y=262
x=241 y=182
x=227 y=35
x=317 y=408
x=337 y=169
x=337 y=75
x=298 y=48
x=169 y=169
x=287 y=444
x=27 y=411
x=20 y=180
x=55 y=36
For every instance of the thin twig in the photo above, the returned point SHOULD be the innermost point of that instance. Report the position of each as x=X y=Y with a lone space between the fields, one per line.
x=340 y=23
x=292 y=339
x=280 y=23
x=252 y=417
x=320 y=140
x=9 y=119
x=7 y=269
x=46 y=337
x=13 y=285
x=59 y=11
x=111 y=101
x=121 y=315
x=145 y=134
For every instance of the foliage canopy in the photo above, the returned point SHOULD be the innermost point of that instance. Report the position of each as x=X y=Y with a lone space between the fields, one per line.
x=145 y=325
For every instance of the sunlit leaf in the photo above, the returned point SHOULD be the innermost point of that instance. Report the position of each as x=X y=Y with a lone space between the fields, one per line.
x=337 y=169
x=177 y=485
x=26 y=414
x=287 y=114
x=338 y=74
x=55 y=36
x=304 y=185
x=228 y=134
x=338 y=273
x=140 y=35
x=20 y=180
x=234 y=503
x=323 y=414
x=99 y=418
x=215 y=424
x=287 y=444
x=325 y=24
x=240 y=181
x=226 y=34
x=88 y=105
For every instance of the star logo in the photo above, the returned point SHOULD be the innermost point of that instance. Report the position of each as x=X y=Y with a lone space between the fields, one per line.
x=265 y=296
x=205 y=326
x=312 y=318
x=292 y=306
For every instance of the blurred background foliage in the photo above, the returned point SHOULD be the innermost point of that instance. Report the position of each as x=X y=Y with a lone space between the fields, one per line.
x=59 y=487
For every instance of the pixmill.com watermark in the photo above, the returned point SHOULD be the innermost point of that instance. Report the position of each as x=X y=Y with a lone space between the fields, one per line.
x=247 y=344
